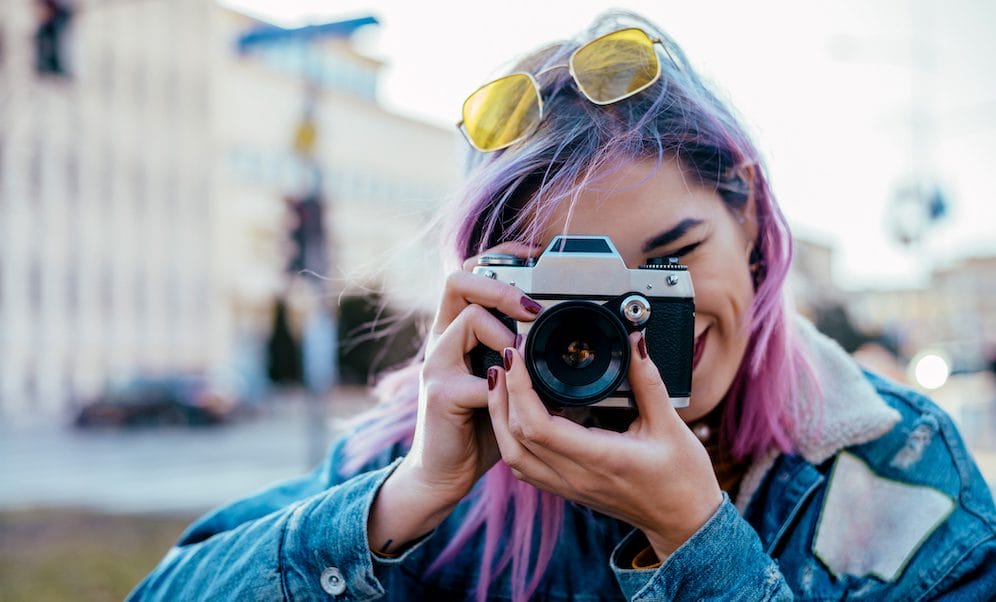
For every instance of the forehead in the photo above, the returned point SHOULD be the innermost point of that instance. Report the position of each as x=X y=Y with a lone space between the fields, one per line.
x=634 y=201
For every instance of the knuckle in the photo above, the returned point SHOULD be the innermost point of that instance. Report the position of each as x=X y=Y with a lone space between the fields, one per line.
x=649 y=378
x=586 y=489
x=515 y=427
x=454 y=279
x=474 y=312
x=435 y=391
x=514 y=461
x=531 y=434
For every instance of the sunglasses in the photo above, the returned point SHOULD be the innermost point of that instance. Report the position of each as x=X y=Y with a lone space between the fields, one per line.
x=607 y=69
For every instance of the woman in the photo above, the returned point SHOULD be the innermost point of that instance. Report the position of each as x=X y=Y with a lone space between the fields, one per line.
x=790 y=473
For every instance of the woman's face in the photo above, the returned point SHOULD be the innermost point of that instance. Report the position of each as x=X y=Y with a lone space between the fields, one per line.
x=652 y=211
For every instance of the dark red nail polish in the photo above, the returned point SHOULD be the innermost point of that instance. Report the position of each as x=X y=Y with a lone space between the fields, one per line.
x=518 y=341
x=492 y=377
x=508 y=358
x=530 y=305
x=642 y=346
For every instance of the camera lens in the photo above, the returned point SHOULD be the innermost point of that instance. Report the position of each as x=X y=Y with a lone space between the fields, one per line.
x=577 y=353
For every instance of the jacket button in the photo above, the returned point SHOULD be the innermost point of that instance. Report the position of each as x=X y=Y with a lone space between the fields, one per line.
x=333 y=581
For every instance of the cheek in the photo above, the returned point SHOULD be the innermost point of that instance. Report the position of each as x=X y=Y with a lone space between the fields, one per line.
x=723 y=295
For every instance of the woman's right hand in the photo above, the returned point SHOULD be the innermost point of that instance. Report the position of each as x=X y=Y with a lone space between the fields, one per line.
x=453 y=444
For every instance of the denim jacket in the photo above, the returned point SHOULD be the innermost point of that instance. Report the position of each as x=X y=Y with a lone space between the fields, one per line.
x=881 y=500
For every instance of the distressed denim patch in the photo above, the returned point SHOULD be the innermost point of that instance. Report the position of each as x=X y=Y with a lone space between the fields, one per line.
x=871 y=525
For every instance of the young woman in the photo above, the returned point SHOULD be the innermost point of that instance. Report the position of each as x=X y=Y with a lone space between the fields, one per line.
x=791 y=473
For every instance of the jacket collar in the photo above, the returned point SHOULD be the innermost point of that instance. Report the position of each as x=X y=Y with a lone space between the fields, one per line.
x=837 y=408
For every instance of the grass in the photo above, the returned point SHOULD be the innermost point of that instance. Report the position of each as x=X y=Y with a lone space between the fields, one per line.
x=79 y=555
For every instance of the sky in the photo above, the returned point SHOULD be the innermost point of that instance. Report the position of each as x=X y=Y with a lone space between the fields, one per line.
x=827 y=88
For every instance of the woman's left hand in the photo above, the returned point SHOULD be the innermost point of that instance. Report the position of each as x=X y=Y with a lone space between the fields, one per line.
x=655 y=476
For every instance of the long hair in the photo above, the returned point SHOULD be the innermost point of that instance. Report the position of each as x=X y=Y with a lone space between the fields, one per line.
x=509 y=195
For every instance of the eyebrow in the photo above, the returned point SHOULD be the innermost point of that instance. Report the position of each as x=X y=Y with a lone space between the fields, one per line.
x=672 y=234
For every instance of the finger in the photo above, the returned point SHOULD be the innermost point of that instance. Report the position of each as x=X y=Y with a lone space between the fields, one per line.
x=474 y=326
x=531 y=423
x=464 y=391
x=519 y=249
x=520 y=460
x=651 y=396
x=463 y=289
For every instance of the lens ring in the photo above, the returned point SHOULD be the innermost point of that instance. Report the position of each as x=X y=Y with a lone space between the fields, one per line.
x=554 y=331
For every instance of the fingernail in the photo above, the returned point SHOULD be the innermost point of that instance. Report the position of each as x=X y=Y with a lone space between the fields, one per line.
x=492 y=377
x=642 y=346
x=530 y=305
x=518 y=341
x=508 y=358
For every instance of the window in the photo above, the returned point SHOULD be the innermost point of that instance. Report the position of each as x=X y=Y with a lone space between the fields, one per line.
x=50 y=37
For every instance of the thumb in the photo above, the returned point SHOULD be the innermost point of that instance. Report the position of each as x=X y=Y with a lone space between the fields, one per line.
x=649 y=392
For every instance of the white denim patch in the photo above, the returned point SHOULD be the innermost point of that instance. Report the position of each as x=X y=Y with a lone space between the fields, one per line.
x=871 y=525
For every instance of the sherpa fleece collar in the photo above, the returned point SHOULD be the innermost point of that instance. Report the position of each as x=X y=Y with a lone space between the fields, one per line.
x=850 y=411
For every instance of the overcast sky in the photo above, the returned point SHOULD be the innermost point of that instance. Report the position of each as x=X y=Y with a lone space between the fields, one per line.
x=827 y=88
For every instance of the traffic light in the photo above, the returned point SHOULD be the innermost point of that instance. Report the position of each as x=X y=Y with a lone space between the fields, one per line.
x=308 y=235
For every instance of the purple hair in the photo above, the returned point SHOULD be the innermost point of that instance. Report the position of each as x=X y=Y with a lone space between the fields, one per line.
x=509 y=195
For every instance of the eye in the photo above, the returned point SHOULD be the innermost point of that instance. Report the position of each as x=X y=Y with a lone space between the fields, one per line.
x=679 y=252
x=684 y=250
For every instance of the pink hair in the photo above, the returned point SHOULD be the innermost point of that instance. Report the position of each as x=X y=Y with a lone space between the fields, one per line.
x=509 y=194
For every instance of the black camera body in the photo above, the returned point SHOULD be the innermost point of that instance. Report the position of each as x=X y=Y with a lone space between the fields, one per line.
x=577 y=350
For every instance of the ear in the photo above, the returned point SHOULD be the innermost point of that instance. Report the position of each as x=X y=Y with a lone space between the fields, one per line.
x=748 y=213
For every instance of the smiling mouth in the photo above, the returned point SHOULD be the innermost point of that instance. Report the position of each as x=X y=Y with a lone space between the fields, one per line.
x=699 y=347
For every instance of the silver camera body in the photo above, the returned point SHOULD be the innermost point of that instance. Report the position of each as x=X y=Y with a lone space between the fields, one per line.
x=577 y=350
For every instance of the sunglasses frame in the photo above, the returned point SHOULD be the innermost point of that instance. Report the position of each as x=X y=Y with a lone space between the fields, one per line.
x=570 y=67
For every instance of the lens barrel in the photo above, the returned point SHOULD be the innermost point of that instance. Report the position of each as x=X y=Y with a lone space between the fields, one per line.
x=577 y=353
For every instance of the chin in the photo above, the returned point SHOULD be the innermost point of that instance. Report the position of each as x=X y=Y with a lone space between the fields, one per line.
x=696 y=409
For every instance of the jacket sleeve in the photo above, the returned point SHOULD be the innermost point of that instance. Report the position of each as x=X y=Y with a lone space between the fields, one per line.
x=304 y=539
x=723 y=560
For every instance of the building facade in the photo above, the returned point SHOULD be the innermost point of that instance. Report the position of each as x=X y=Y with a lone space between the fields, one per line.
x=145 y=166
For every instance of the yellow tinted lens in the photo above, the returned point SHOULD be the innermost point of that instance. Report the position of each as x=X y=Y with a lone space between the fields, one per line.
x=615 y=66
x=502 y=112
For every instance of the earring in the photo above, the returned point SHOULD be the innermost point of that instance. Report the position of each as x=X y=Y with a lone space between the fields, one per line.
x=758 y=265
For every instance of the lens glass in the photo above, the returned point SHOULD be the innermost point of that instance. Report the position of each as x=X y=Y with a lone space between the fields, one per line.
x=502 y=112
x=615 y=66
x=577 y=353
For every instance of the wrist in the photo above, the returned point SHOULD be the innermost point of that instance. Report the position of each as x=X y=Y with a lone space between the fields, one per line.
x=404 y=510
x=667 y=539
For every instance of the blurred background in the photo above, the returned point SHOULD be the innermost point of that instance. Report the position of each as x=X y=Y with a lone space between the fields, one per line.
x=204 y=205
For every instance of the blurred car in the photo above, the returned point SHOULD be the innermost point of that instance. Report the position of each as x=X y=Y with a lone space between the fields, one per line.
x=170 y=400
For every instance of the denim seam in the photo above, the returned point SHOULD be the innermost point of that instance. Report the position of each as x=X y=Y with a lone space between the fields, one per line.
x=952 y=566
x=285 y=589
x=792 y=515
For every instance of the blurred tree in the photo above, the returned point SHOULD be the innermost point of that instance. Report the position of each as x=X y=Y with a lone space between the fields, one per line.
x=834 y=321
x=373 y=337
x=283 y=350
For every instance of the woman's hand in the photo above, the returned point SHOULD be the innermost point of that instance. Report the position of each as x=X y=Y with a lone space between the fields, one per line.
x=453 y=444
x=656 y=476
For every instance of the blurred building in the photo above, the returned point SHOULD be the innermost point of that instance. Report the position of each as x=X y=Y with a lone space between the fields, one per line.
x=145 y=169
x=955 y=313
x=810 y=280
x=107 y=225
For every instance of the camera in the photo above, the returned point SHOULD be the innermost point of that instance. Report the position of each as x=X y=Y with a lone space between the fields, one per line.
x=577 y=350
